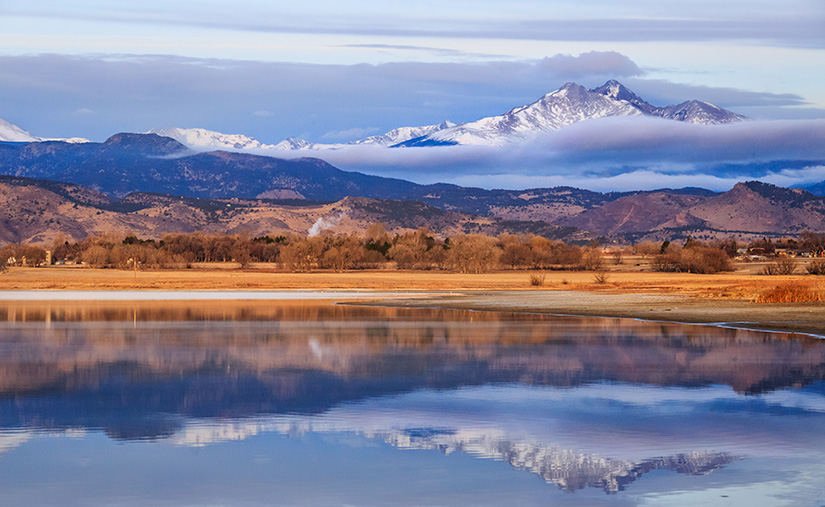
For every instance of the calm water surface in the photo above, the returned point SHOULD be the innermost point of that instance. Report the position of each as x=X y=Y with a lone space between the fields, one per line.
x=309 y=403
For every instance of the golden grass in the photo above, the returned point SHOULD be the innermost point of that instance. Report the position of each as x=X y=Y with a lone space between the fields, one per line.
x=792 y=292
x=631 y=277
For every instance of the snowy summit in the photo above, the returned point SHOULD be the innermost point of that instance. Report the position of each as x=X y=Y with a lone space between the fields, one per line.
x=572 y=103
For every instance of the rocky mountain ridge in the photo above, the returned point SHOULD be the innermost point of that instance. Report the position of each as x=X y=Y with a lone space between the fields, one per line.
x=572 y=103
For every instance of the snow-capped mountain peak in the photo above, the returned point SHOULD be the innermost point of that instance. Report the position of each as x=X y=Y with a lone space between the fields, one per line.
x=702 y=113
x=617 y=91
x=202 y=138
x=293 y=143
x=10 y=132
x=404 y=134
x=571 y=103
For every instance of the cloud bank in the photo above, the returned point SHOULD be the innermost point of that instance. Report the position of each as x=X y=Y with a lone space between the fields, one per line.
x=623 y=153
x=602 y=20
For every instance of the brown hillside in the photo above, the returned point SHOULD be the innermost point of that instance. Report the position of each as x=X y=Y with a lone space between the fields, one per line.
x=634 y=213
x=34 y=214
x=759 y=207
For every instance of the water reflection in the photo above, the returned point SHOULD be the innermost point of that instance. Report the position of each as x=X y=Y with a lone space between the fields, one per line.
x=569 y=469
x=582 y=403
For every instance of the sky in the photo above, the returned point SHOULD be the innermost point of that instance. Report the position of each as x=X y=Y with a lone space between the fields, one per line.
x=332 y=71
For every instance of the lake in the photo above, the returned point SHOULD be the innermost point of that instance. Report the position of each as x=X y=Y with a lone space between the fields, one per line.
x=311 y=403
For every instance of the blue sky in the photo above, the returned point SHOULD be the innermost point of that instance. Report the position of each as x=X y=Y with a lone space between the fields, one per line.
x=334 y=71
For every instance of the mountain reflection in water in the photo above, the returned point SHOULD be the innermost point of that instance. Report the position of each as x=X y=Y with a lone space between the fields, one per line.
x=579 y=402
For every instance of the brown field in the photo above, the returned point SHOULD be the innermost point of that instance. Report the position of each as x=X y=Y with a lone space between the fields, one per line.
x=634 y=275
x=630 y=290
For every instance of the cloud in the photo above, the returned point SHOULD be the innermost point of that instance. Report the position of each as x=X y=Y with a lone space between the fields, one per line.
x=608 y=63
x=138 y=93
x=635 y=21
x=624 y=153
x=645 y=140
x=83 y=111
x=420 y=49
x=661 y=92
x=640 y=180
x=350 y=134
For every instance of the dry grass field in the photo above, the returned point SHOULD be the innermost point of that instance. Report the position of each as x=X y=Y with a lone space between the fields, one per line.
x=742 y=298
x=634 y=275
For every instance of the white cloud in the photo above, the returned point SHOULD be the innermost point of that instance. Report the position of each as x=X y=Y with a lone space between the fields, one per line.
x=83 y=111
x=608 y=63
x=611 y=154
x=350 y=134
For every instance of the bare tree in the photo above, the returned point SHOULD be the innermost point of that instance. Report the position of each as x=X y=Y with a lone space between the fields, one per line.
x=241 y=250
x=96 y=256
x=813 y=243
x=592 y=259
x=516 y=255
x=473 y=253
x=302 y=254
x=647 y=248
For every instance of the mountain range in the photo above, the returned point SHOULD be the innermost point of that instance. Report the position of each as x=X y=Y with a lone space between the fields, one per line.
x=572 y=103
x=130 y=165
x=38 y=211
x=154 y=184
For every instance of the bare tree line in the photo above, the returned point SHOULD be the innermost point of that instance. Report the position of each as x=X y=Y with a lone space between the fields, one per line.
x=375 y=247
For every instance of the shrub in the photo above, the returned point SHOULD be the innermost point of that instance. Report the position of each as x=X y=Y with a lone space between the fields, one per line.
x=705 y=260
x=601 y=277
x=667 y=262
x=791 y=293
x=536 y=279
x=816 y=267
x=698 y=259
x=783 y=266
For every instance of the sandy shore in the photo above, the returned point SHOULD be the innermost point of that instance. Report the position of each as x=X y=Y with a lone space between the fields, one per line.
x=808 y=318
x=725 y=299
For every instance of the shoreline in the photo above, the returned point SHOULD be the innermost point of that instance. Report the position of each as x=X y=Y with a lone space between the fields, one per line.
x=725 y=299
x=59 y=295
x=793 y=318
